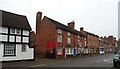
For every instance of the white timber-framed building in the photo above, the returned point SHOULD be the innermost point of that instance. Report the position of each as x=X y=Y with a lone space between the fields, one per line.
x=14 y=37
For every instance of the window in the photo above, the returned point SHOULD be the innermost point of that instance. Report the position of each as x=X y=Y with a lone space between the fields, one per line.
x=18 y=31
x=71 y=50
x=69 y=40
x=59 y=31
x=79 y=50
x=79 y=43
x=59 y=38
x=25 y=39
x=9 y=49
x=67 y=50
x=26 y=32
x=59 y=51
x=12 y=31
x=24 y=48
x=78 y=36
x=68 y=33
x=85 y=41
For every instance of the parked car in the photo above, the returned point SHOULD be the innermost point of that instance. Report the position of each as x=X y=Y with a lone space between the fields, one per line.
x=116 y=59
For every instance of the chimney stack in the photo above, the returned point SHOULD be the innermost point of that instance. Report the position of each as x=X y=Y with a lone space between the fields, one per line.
x=105 y=37
x=38 y=21
x=71 y=24
x=81 y=29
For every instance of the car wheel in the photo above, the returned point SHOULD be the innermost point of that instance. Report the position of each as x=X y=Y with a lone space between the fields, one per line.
x=114 y=64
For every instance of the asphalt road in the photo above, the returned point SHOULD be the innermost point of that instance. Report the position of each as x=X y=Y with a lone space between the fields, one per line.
x=94 y=61
x=97 y=61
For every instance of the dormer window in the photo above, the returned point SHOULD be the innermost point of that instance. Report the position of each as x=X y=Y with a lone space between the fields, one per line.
x=59 y=31
x=68 y=33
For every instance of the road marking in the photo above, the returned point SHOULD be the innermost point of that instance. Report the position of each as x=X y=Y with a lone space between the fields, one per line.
x=109 y=59
x=38 y=65
x=105 y=60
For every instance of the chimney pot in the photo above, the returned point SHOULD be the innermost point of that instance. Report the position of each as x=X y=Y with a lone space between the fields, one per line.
x=81 y=29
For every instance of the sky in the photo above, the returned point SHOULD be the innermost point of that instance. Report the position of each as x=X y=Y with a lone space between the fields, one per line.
x=96 y=16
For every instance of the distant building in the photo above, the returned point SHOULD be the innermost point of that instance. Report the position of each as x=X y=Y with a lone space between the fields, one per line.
x=112 y=43
x=102 y=45
x=92 y=41
x=14 y=37
x=108 y=44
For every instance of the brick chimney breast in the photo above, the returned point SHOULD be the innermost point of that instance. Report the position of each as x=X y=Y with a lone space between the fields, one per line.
x=38 y=21
x=71 y=24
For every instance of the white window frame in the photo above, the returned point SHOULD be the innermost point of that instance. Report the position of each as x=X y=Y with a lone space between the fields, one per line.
x=79 y=42
x=79 y=50
x=69 y=51
x=59 y=51
x=25 y=32
x=68 y=33
x=12 y=31
x=69 y=40
x=78 y=36
x=85 y=41
x=59 y=31
x=25 y=39
x=18 y=31
x=59 y=38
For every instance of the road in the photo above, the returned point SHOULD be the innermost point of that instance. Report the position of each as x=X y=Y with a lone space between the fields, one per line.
x=97 y=61
x=94 y=61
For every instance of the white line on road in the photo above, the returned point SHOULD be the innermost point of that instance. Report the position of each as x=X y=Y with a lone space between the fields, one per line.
x=105 y=60
x=38 y=65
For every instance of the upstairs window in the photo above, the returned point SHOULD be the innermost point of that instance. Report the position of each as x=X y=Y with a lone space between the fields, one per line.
x=79 y=43
x=15 y=31
x=59 y=31
x=78 y=36
x=12 y=31
x=69 y=41
x=18 y=31
x=85 y=39
x=59 y=38
x=68 y=33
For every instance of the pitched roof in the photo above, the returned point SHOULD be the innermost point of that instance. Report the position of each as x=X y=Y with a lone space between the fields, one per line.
x=64 y=27
x=14 y=20
x=91 y=33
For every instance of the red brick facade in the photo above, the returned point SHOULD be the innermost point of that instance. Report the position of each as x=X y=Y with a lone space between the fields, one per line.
x=92 y=41
x=47 y=31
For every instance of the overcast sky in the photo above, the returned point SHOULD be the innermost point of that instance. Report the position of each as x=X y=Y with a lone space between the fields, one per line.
x=96 y=16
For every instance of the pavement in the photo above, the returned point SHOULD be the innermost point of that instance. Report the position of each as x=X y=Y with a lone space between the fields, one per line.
x=43 y=61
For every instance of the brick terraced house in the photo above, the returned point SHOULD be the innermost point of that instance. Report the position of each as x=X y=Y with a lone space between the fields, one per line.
x=55 y=39
x=92 y=42
x=107 y=44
